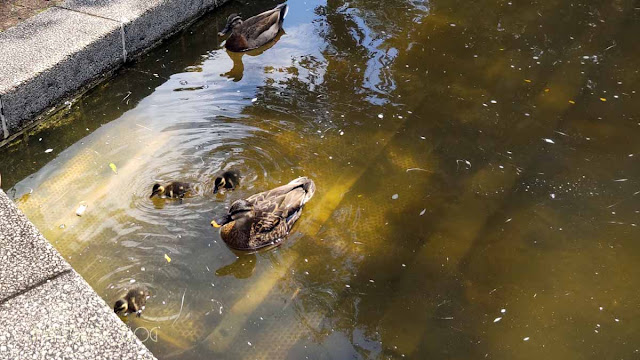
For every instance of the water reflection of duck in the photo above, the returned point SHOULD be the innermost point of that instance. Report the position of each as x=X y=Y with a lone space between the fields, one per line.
x=174 y=189
x=237 y=71
x=134 y=301
x=264 y=219
x=228 y=180
x=254 y=32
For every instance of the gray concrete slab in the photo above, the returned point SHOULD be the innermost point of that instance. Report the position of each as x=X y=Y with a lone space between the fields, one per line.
x=145 y=21
x=49 y=57
x=65 y=319
x=26 y=258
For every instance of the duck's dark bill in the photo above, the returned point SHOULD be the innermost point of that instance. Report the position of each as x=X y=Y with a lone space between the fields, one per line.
x=224 y=31
x=220 y=221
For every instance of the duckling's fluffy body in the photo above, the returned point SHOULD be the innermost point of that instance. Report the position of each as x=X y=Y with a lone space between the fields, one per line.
x=133 y=301
x=255 y=31
x=264 y=219
x=228 y=180
x=173 y=189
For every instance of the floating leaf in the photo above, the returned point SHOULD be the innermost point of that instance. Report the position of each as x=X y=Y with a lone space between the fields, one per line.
x=603 y=99
x=571 y=102
x=527 y=80
x=167 y=258
x=547 y=90
x=113 y=167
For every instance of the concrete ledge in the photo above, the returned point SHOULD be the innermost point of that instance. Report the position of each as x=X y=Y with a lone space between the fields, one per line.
x=54 y=55
x=47 y=311
x=65 y=319
x=26 y=258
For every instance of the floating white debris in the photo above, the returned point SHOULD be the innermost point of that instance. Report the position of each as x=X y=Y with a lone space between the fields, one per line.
x=423 y=138
x=452 y=25
x=142 y=269
x=497 y=319
x=493 y=102
x=553 y=196
x=371 y=281
x=404 y=265
x=132 y=281
x=380 y=116
x=348 y=286
x=620 y=180
x=249 y=343
x=503 y=310
x=617 y=320
x=254 y=99
x=549 y=141
x=423 y=211
x=526 y=339
x=394 y=196
x=341 y=133
x=509 y=219
x=601 y=308
x=48 y=151
x=81 y=209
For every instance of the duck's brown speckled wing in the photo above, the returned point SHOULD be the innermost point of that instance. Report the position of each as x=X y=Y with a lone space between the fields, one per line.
x=276 y=214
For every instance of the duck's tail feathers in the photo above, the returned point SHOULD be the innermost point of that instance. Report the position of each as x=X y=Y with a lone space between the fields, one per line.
x=284 y=10
x=308 y=186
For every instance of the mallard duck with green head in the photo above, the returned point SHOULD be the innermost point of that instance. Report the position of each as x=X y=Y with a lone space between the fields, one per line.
x=255 y=31
x=264 y=219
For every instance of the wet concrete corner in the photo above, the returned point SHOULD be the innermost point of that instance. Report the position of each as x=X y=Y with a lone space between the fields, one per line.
x=46 y=309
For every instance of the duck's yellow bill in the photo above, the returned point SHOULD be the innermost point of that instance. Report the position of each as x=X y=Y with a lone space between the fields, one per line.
x=215 y=224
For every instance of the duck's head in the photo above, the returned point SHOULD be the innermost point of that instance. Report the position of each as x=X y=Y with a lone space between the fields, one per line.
x=120 y=306
x=239 y=209
x=219 y=183
x=157 y=190
x=232 y=21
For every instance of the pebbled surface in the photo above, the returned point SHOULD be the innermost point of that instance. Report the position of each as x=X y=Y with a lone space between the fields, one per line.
x=26 y=257
x=65 y=319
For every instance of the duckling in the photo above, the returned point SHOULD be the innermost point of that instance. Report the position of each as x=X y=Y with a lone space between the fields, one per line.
x=264 y=219
x=255 y=31
x=133 y=301
x=229 y=180
x=174 y=189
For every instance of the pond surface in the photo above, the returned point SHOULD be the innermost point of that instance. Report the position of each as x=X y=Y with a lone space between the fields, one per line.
x=476 y=166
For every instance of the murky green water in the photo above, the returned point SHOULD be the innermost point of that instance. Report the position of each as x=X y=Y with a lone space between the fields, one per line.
x=477 y=177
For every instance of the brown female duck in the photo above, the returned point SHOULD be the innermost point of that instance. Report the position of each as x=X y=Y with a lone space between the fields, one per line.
x=264 y=219
x=255 y=31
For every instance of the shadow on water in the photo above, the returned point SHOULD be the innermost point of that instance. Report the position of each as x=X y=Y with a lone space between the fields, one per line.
x=474 y=164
